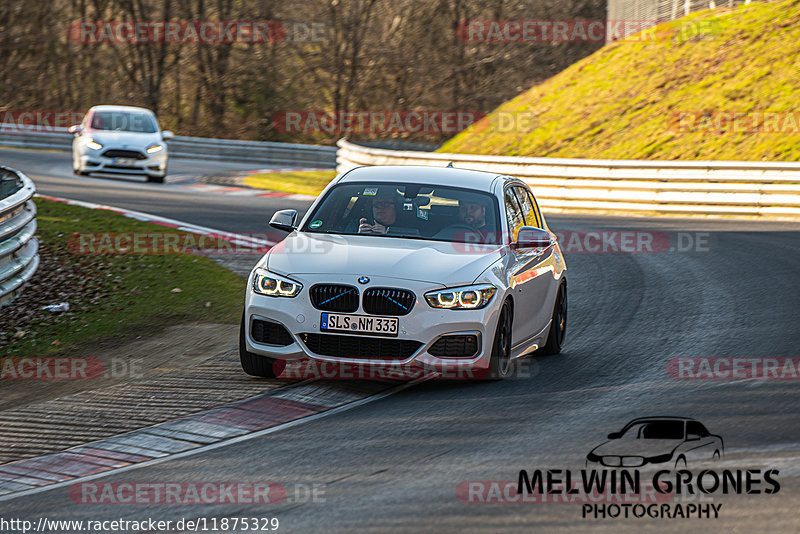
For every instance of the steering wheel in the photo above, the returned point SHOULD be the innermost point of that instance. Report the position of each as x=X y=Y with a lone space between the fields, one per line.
x=452 y=229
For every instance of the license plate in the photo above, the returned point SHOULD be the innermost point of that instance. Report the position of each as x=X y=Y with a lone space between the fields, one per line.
x=358 y=324
x=126 y=162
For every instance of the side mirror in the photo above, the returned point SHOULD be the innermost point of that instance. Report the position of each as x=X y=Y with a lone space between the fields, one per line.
x=530 y=237
x=75 y=129
x=167 y=134
x=615 y=435
x=284 y=220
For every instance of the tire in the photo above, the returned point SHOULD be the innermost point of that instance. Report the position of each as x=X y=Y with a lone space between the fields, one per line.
x=156 y=179
x=500 y=362
x=558 y=325
x=255 y=364
x=77 y=170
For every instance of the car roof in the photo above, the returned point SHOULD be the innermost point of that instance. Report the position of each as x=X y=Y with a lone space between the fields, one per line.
x=661 y=418
x=107 y=107
x=446 y=176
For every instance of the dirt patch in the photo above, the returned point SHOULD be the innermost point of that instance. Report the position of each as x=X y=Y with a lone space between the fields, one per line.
x=61 y=277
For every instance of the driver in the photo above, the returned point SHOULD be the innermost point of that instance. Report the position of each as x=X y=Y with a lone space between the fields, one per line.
x=384 y=213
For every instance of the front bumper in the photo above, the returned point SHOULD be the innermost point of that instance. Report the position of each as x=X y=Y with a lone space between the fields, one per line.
x=153 y=164
x=423 y=324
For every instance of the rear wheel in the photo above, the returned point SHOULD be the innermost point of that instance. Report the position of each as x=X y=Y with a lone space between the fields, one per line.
x=500 y=362
x=255 y=364
x=558 y=326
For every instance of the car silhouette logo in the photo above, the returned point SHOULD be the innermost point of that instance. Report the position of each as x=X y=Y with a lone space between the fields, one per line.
x=363 y=280
x=658 y=440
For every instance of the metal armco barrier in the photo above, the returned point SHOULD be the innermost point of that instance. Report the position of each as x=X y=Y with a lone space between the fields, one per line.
x=285 y=154
x=766 y=189
x=19 y=249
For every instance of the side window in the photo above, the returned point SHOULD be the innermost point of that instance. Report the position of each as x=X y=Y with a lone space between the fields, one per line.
x=513 y=214
x=539 y=222
x=694 y=427
x=528 y=207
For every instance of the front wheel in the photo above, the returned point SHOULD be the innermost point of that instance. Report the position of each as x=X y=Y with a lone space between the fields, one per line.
x=76 y=169
x=255 y=364
x=500 y=362
x=156 y=179
x=558 y=325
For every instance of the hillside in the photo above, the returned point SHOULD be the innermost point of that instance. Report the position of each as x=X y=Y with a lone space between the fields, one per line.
x=627 y=100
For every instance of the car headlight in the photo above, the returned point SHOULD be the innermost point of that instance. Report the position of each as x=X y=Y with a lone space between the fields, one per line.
x=592 y=457
x=660 y=459
x=94 y=145
x=462 y=298
x=272 y=285
x=152 y=149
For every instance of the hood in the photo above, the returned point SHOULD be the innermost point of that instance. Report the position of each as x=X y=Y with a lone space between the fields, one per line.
x=436 y=262
x=133 y=140
x=637 y=447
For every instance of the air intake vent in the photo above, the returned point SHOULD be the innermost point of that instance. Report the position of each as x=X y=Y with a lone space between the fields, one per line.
x=388 y=301
x=270 y=333
x=455 y=346
x=345 y=346
x=334 y=298
x=115 y=153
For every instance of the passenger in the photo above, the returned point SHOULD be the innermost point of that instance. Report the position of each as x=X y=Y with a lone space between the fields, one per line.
x=472 y=213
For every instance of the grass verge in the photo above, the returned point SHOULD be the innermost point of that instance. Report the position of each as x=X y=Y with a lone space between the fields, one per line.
x=302 y=182
x=626 y=100
x=111 y=297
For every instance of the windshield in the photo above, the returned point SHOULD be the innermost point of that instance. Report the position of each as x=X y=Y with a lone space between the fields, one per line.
x=656 y=430
x=413 y=211
x=124 y=121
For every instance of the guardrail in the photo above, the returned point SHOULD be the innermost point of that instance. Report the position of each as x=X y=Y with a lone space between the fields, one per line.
x=648 y=13
x=19 y=249
x=767 y=189
x=286 y=154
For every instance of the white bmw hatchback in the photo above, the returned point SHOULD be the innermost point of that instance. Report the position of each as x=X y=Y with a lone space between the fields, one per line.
x=439 y=268
x=120 y=139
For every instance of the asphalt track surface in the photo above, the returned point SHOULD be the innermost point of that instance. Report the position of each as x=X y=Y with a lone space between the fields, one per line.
x=395 y=464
